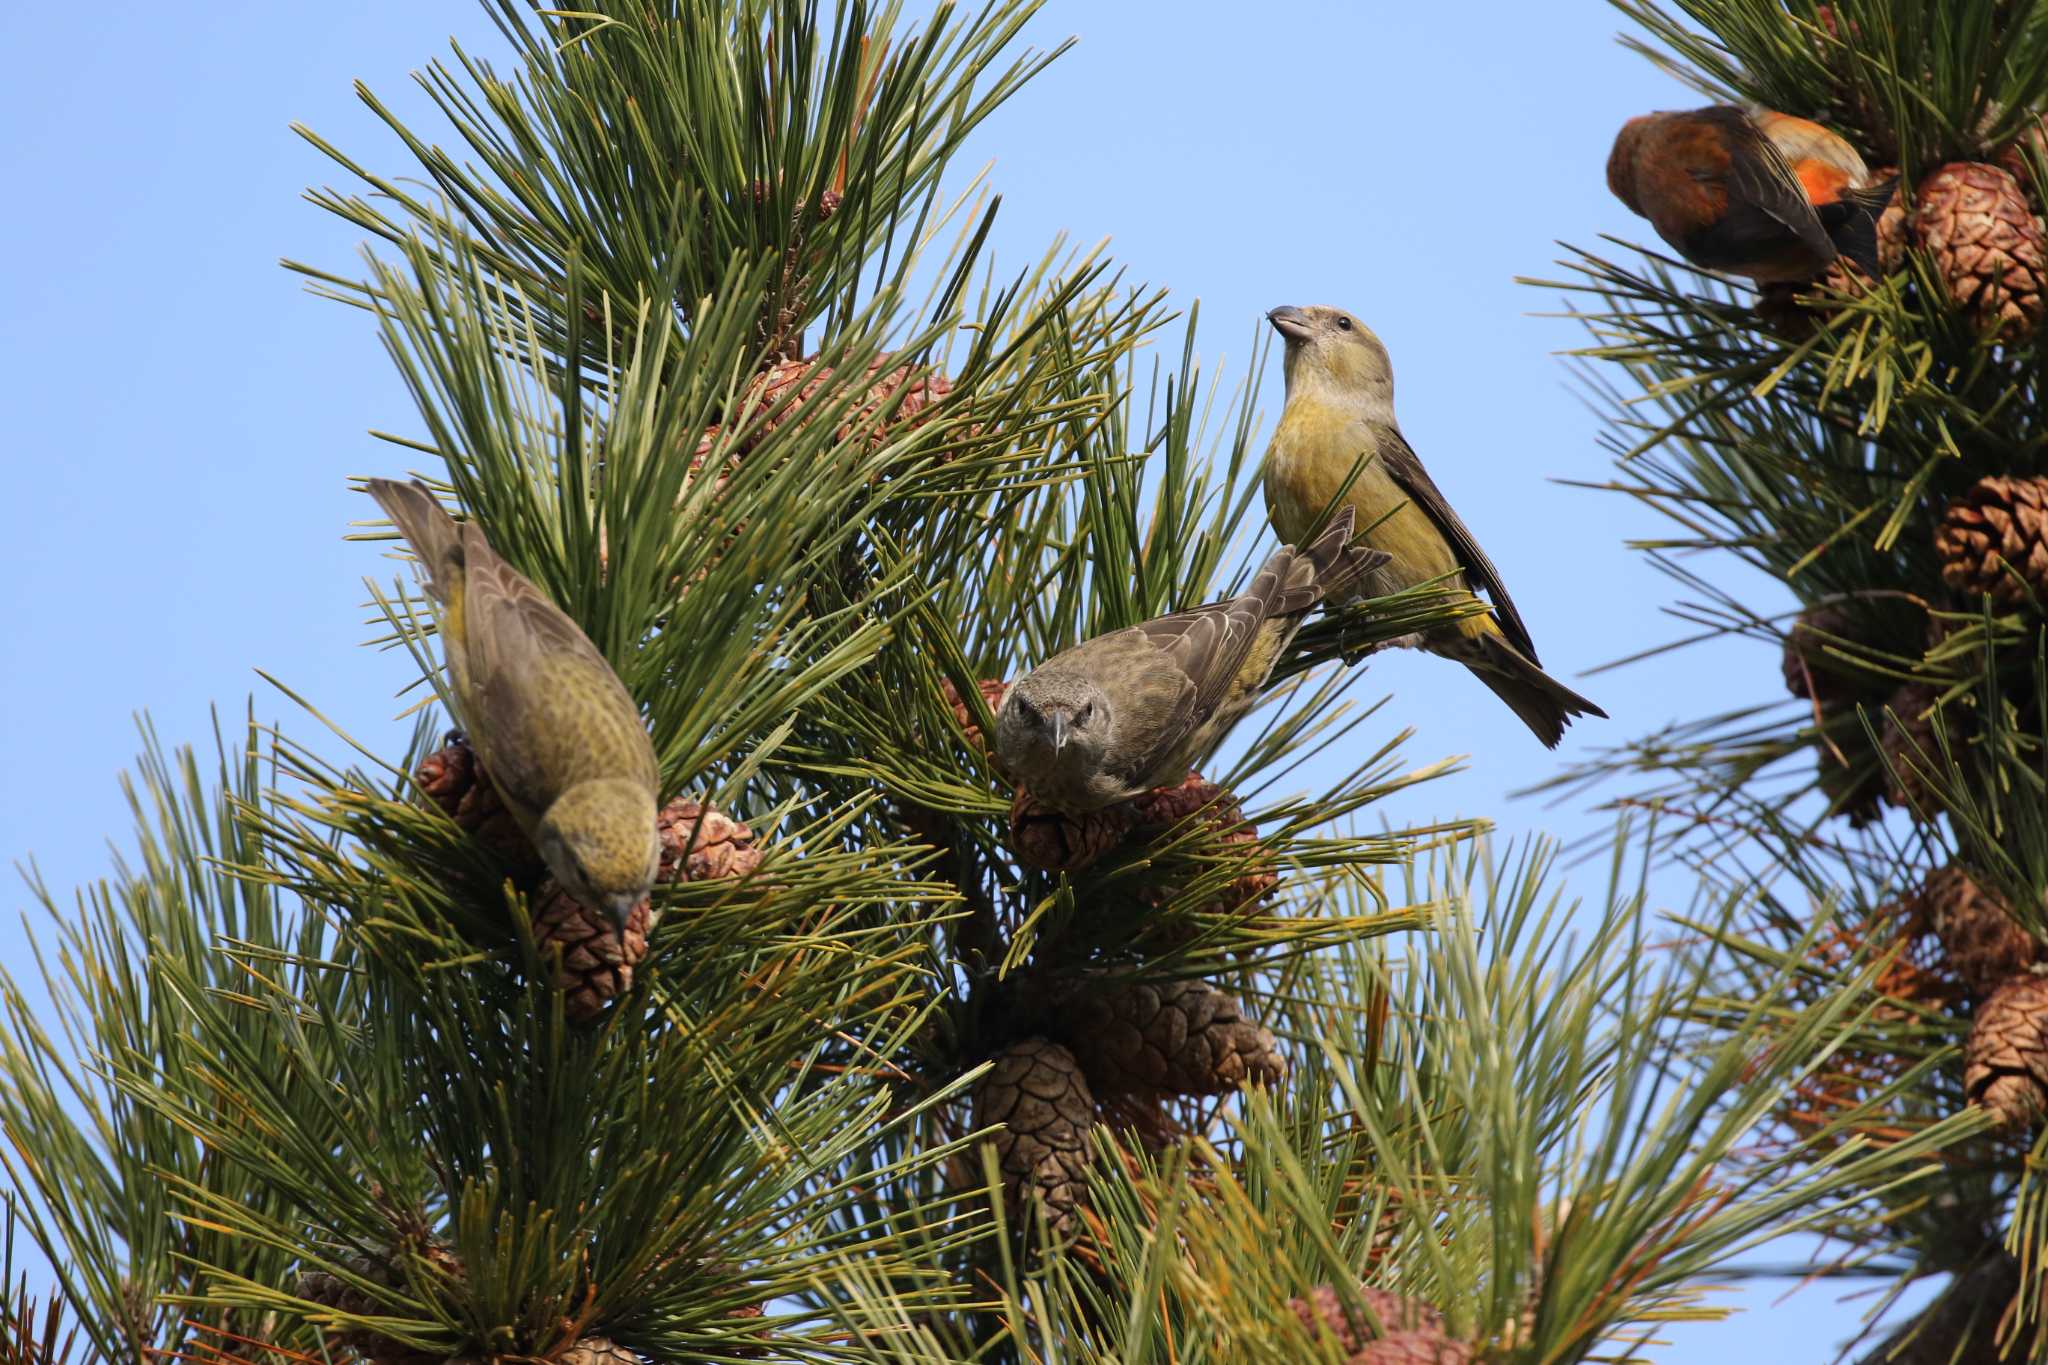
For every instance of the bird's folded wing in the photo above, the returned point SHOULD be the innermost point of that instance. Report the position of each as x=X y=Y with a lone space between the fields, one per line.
x=1406 y=469
x=1764 y=180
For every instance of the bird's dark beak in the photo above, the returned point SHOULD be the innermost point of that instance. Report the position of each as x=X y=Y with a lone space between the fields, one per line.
x=1291 y=323
x=620 y=908
x=1059 y=731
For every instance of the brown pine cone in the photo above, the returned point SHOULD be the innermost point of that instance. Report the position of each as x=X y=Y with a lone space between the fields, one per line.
x=597 y=1351
x=783 y=393
x=1228 y=834
x=1985 y=244
x=1414 y=1348
x=453 y=778
x=993 y=690
x=1997 y=529
x=1911 y=750
x=701 y=843
x=1810 y=671
x=1981 y=941
x=1037 y=1091
x=331 y=1291
x=1892 y=233
x=1052 y=841
x=2005 y=1064
x=2032 y=142
x=1176 y=1037
x=596 y=957
x=1323 y=1313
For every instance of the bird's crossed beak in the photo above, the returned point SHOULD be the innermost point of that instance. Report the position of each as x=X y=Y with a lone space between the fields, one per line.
x=1291 y=323
x=1059 y=731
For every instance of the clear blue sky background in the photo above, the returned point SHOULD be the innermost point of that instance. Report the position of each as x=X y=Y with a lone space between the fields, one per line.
x=181 y=417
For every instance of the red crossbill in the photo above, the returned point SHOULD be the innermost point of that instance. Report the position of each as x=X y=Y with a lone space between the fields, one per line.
x=1137 y=708
x=556 y=730
x=1766 y=195
x=1339 y=416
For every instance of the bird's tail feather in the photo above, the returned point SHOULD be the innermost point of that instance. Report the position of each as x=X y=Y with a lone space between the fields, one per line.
x=1544 y=704
x=435 y=538
x=1293 y=581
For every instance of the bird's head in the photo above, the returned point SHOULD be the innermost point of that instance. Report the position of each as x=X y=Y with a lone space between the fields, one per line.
x=1330 y=350
x=599 y=839
x=1050 y=723
x=1621 y=162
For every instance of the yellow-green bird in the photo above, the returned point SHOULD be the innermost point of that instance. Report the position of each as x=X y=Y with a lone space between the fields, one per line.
x=1339 y=415
x=555 y=729
x=1136 y=708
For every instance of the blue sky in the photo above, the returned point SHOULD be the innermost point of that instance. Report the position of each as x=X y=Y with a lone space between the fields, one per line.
x=183 y=418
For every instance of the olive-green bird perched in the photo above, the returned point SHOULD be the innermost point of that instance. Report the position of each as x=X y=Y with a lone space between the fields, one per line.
x=1339 y=412
x=1135 y=709
x=553 y=726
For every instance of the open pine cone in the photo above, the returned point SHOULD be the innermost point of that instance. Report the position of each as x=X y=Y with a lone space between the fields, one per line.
x=1414 y=1348
x=2005 y=1065
x=1911 y=750
x=1997 y=529
x=1037 y=1091
x=453 y=778
x=993 y=690
x=1985 y=243
x=1811 y=673
x=374 y=1348
x=596 y=958
x=597 y=1351
x=1981 y=941
x=702 y=843
x=1053 y=841
x=787 y=390
x=1322 y=1313
x=1174 y=1037
x=1226 y=830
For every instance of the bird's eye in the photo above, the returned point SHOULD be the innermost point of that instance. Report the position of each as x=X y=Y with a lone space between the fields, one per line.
x=1343 y=324
x=1087 y=710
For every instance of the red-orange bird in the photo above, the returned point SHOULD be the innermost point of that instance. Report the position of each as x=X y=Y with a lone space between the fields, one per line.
x=1766 y=195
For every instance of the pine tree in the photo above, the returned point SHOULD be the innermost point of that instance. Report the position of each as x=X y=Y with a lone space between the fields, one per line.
x=1873 y=444
x=901 y=1065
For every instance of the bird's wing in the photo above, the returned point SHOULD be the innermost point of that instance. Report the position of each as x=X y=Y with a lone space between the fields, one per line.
x=1405 y=467
x=1764 y=180
x=522 y=652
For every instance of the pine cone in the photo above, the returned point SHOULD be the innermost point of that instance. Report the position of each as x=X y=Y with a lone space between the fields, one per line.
x=1997 y=529
x=1414 y=1348
x=1974 y=223
x=1982 y=942
x=1051 y=841
x=331 y=1291
x=453 y=778
x=1892 y=228
x=769 y=397
x=2005 y=1065
x=2032 y=143
x=701 y=843
x=1037 y=1091
x=597 y=958
x=993 y=690
x=597 y=1351
x=1856 y=795
x=1228 y=834
x=1911 y=750
x=1177 y=1037
x=1322 y=1313
x=1810 y=671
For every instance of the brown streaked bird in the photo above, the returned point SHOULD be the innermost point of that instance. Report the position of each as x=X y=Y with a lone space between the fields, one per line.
x=1339 y=416
x=1767 y=195
x=1136 y=708
x=554 y=727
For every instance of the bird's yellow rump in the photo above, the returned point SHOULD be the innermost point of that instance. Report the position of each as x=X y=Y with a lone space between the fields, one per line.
x=1338 y=425
x=557 y=732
